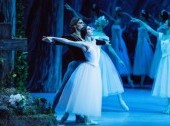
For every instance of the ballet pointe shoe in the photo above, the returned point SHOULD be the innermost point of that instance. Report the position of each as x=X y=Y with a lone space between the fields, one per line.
x=124 y=105
x=89 y=121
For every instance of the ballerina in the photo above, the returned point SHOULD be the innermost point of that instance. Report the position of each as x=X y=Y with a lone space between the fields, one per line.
x=119 y=45
x=162 y=82
x=111 y=81
x=143 y=52
x=157 y=54
x=85 y=82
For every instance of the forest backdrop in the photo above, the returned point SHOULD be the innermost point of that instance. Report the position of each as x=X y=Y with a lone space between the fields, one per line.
x=36 y=18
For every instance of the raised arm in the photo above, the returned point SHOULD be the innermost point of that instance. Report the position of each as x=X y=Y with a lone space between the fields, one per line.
x=110 y=18
x=113 y=53
x=75 y=13
x=127 y=14
x=155 y=21
x=152 y=31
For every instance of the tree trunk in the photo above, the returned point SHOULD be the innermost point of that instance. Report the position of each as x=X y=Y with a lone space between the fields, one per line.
x=43 y=18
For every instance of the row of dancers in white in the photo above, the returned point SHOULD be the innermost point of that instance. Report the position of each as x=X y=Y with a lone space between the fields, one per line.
x=97 y=76
x=144 y=55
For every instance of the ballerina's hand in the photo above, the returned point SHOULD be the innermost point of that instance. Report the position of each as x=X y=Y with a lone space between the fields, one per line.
x=108 y=42
x=68 y=7
x=106 y=39
x=47 y=39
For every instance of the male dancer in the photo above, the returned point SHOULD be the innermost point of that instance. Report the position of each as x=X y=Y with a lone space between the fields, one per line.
x=77 y=57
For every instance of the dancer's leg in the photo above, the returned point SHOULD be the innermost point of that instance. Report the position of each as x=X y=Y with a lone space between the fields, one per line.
x=130 y=81
x=142 y=80
x=122 y=102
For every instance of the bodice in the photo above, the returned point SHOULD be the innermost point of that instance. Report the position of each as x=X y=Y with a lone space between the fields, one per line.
x=165 y=47
x=142 y=33
x=92 y=55
x=116 y=27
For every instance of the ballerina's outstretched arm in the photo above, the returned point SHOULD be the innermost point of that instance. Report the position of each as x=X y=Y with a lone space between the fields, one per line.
x=151 y=30
x=127 y=14
x=112 y=51
x=79 y=44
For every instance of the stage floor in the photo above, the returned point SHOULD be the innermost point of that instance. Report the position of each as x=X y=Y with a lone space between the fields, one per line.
x=145 y=110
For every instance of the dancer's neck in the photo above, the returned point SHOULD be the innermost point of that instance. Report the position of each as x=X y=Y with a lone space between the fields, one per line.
x=88 y=38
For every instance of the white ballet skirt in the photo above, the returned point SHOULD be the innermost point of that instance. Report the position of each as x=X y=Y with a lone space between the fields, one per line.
x=111 y=82
x=119 y=46
x=162 y=81
x=83 y=91
x=143 y=53
x=156 y=57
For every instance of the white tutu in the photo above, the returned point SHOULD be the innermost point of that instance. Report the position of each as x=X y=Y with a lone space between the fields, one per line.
x=162 y=80
x=83 y=93
x=111 y=82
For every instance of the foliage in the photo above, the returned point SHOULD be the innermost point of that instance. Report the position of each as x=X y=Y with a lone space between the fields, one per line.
x=1 y=60
x=17 y=77
x=20 y=19
x=22 y=103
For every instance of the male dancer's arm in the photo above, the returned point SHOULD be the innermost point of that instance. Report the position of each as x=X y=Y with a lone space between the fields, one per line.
x=100 y=42
x=64 y=36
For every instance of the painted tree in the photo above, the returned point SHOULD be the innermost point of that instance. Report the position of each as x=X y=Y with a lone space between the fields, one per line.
x=8 y=10
x=43 y=18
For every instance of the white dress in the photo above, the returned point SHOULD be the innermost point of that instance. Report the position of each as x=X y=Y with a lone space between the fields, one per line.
x=119 y=46
x=162 y=81
x=143 y=53
x=156 y=57
x=83 y=93
x=111 y=81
